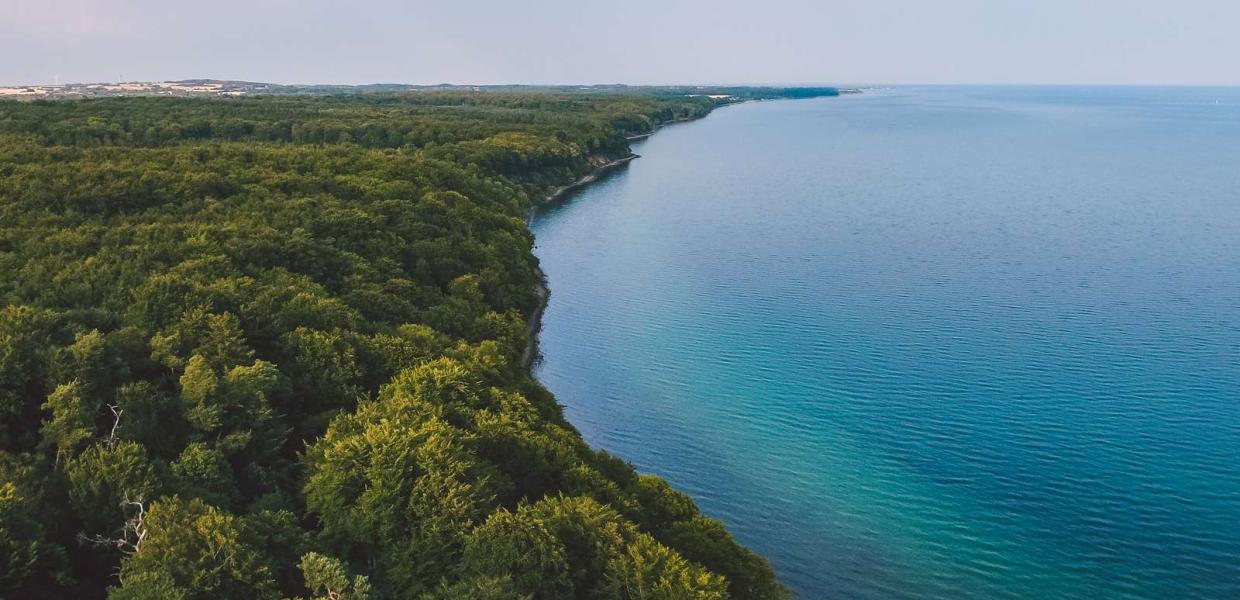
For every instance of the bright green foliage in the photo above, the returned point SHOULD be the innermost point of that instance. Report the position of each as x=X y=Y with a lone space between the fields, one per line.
x=149 y=585
x=644 y=569
x=576 y=547
x=397 y=485
x=195 y=551
x=522 y=551
x=327 y=580
x=72 y=420
x=271 y=347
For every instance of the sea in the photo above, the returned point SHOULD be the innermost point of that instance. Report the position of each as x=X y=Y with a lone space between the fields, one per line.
x=925 y=342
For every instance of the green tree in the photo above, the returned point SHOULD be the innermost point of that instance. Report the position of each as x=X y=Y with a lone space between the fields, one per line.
x=232 y=332
x=573 y=547
x=31 y=564
x=104 y=480
x=72 y=422
x=203 y=472
x=645 y=570
x=327 y=579
x=24 y=346
x=395 y=485
x=192 y=550
x=706 y=542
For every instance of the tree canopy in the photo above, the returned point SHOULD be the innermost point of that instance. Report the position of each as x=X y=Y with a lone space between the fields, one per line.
x=272 y=348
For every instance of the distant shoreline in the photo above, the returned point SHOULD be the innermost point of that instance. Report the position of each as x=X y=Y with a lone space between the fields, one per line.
x=530 y=356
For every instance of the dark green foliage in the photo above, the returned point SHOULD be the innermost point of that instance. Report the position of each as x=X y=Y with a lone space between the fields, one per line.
x=272 y=347
x=706 y=541
x=31 y=563
x=105 y=479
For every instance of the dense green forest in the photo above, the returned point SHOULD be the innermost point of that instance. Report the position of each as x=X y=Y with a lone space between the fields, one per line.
x=271 y=348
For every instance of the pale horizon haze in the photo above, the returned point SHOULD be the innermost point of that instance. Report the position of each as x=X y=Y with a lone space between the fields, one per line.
x=1134 y=42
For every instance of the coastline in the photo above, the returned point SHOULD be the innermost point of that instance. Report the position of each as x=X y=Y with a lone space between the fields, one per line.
x=383 y=262
x=598 y=171
x=530 y=356
x=659 y=126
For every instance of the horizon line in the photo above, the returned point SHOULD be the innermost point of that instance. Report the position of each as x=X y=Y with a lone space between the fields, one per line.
x=647 y=85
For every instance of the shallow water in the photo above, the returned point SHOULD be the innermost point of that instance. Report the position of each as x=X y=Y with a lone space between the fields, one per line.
x=926 y=342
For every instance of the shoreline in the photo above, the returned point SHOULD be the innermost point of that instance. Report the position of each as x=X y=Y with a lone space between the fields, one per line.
x=585 y=180
x=529 y=358
x=659 y=126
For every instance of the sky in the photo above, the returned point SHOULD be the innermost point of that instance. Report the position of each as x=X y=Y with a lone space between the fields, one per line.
x=1182 y=42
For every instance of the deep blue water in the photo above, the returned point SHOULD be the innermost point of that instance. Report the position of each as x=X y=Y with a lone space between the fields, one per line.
x=926 y=342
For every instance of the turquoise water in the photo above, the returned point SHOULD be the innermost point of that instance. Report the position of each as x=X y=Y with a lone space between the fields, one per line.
x=926 y=342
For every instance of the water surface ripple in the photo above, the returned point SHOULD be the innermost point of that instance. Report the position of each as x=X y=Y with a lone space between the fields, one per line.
x=926 y=343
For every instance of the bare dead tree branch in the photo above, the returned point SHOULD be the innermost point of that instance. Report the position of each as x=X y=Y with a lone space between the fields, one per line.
x=116 y=412
x=131 y=534
x=137 y=525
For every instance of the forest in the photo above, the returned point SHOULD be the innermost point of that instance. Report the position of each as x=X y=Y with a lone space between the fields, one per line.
x=270 y=347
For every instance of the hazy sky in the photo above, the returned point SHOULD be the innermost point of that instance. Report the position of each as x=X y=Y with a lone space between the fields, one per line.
x=624 y=41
